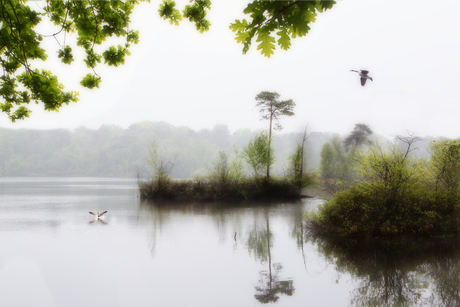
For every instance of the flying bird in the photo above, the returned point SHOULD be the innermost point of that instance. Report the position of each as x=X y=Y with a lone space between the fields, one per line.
x=363 y=75
x=98 y=215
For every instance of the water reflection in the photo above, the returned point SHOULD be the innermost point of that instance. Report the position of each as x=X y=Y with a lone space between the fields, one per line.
x=98 y=221
x=216 y=254
x=259 y=243
x=270 y=285
x=398 y=272
x=246 y=224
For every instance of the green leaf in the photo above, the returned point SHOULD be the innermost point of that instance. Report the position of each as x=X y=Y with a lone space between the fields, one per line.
x=92 y=58
x=241 y=37
x=66 y=55
x=239 y=26
x=300 y=23
x=133 y=37
x=266 y=43
x=325 y=4
x=292 y=19
x=168 y=12
x=115 y=56
x=284 y=41
x=90 y=81
x=21 y=113
x=197 y=13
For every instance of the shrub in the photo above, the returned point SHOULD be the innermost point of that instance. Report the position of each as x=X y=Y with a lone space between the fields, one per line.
x=396 y=196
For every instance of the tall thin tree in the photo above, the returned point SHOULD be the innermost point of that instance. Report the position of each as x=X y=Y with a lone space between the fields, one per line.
x=272 y=108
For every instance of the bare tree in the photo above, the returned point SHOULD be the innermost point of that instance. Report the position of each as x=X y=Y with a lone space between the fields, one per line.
x=409 y=139
x=304 y=139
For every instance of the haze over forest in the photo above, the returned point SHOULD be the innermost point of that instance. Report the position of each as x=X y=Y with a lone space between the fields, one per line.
x=113 y=151
x=183 y=77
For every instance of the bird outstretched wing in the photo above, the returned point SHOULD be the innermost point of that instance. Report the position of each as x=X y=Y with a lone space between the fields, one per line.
x=101 y=214
x=93 y=213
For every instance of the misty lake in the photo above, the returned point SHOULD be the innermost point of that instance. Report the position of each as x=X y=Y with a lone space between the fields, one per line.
x=147 y=253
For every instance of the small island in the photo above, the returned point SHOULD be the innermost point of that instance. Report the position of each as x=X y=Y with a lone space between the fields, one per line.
x=226 y=180
x=212 y=188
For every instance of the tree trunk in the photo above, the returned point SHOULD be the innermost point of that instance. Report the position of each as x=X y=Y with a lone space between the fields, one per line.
x=305 y=137
x=269 y=142
x=302 y=166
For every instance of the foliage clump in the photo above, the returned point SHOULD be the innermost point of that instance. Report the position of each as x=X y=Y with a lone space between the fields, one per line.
x=397 y=194
x=259 y=154
x=286 y=19
x=205 y=188
x=226 y=180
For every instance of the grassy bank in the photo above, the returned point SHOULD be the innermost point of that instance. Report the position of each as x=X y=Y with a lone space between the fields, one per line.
x=204 y=189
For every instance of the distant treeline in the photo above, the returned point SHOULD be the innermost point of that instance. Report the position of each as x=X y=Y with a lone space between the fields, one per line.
x=116 y=152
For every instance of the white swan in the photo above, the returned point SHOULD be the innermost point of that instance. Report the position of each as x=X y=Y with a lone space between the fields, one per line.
x=98 y=215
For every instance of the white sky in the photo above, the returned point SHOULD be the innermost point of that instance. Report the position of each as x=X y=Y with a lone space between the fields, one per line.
x=177 y=75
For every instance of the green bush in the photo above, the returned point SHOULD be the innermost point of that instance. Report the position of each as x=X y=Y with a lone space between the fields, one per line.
x=397 y=196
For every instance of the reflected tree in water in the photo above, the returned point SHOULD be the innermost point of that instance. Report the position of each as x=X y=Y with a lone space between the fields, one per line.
x=259 y=243
x=399 y=271
x=270 y=285
x=389 y=272
x=298 y=233
x=389 y=286
x=444 y=269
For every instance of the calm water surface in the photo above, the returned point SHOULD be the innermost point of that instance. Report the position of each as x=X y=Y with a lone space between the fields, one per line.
x=190 y=254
